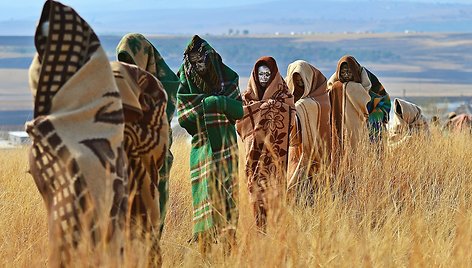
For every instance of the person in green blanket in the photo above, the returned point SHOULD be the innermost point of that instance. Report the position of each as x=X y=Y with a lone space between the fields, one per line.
x=349 y=70
x=135 y=49
x=208 y=105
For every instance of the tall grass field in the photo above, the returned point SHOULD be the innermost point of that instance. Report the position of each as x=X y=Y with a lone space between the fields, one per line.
x=404 y=206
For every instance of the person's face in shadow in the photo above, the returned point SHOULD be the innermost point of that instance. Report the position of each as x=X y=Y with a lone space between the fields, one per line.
x=126 y=58
x=345 y=74
x=299 y=86
x=263 y=73
x=198 y=61
x=399 y=111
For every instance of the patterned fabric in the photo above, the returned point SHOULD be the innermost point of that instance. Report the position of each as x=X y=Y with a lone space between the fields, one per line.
x=135 y=49
x=349 y=115
x=407 y=120
x=77 y=158
x=379 y=104
x=461 y=122
x=207 y=109
x=269 y=115
x=313 y=116
x=145 y=143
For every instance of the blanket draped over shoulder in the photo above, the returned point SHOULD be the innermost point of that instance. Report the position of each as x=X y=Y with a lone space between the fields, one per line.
x=269 y=116
x=379 y=104
x=313 y=116
x=135 y=49
x=459 y=123
x=349 y=113
x=407 y=120
x=145 y=144
x=76 y=157
x=208 y=107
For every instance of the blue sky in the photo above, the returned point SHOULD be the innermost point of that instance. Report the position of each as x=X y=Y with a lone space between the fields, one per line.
x=18 y=17
x=24 y=8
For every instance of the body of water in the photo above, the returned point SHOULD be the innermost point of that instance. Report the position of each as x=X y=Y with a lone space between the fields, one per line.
x=402 y=58
x=430 y=106
x=15 y=118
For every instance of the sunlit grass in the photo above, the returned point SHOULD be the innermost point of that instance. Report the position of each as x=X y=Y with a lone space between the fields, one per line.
x=410 y=205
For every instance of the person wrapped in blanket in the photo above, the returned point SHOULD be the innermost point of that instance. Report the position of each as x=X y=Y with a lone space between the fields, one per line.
x=309 y=88
x=146 y=136
x=408 y=120
x=208 y=105
x=378 y=107
x=77 y=155
x=135 y=49
x=458 y=122
x=269 y=118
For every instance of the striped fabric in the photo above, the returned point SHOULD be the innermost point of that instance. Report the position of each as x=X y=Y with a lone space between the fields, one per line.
x=209 y=116
x=145 y=143
x=379 y=106
x=135 y=49
x=313 y=116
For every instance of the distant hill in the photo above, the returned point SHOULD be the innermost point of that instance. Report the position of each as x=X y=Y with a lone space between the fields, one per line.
x=270 y=17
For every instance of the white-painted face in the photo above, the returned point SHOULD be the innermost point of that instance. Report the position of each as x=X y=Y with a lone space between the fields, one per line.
x=263 y=72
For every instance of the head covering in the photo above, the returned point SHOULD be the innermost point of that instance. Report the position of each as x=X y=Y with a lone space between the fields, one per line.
x=353 y=65
x=379 y=104
x=265 y=128
x=451 y=115
x=272 y=65
x=64 y=63
x=145 y=143
x=460 y=122
x=313 y=79
x=275 y=86
x=76 y=157
x=410 y=114
x=313 y=114
x=208 y=107
x=408 y=119
x=135 y=49
x=213 y=82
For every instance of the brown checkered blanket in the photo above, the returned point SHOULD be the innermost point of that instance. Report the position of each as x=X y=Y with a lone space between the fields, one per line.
x=77 y=158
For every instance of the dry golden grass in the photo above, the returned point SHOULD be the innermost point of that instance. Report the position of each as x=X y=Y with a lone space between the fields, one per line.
x=409 y=206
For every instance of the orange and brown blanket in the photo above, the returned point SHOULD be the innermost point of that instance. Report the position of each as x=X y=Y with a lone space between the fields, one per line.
x=313 y=110
x=269 y=116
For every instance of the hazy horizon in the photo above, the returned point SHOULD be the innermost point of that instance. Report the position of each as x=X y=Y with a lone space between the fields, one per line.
x=251 y=16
